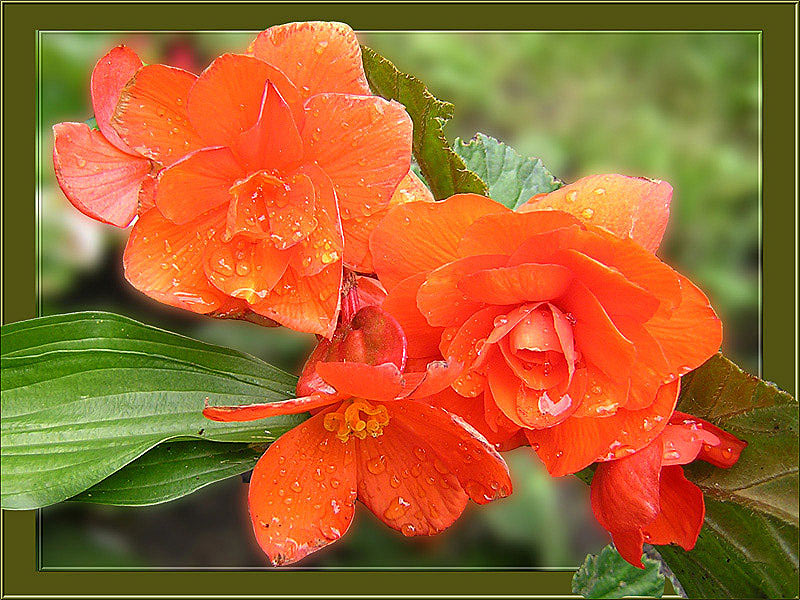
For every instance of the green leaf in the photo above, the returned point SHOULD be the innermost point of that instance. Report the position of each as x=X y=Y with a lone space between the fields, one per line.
x=92 y=123
x=172 y=470
x=748 y=547
x=441 y=168
x=512 y=179
x=608 y=575
x=85 y=394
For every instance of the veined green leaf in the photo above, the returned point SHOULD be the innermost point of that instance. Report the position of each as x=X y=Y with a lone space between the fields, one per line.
x=748 y=547
x=608 y=575
x=172 y=470
x=441 y=168
x=512 y=178
x=87 y=393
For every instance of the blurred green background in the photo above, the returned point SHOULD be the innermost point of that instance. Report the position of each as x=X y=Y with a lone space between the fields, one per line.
x=683 y=107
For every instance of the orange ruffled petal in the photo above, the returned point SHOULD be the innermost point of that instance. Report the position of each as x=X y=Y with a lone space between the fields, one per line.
x=364 y=146
x=165 y=261
x=421 y=236
x=302 y=492
x=632 y=207
x=98 y=179
x=109 y=76
x=316 y=56
x=197 y=183
x=151 y=116
x=578 y=442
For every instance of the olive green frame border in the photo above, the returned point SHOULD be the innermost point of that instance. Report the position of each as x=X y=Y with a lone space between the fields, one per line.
x=20 y=22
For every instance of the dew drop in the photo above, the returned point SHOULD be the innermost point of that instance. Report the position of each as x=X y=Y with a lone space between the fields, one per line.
x=397 y=508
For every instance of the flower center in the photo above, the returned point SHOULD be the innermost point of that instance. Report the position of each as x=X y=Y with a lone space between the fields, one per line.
x=348 y=419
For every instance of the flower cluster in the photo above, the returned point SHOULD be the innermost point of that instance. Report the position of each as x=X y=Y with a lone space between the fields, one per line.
x=264 y=185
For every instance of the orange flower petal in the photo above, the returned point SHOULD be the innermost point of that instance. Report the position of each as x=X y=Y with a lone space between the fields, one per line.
x=302 y=492
x=635 y=263
x=400 y=483
x=325 y=243
x=512 y=285
x=98 y=179
x=151 y=115
x=253 y=412
x=227 y=98
x=596 y=336
x=245 y=268
x=617 y=294
x=578 y=442
x=273 y=142
x=602 y=396
x=363 y=144
x=165 y=260
x=691 y=334
x=197 y=183
x=526 y=407
x=360 y=380
x=309 y=304
x=625 y=498
x=422 y=236
x=632 y=207
x=147 y=194
x=441 y=301
x=317 y=56
x=462 y=450
x=401 y=303
x=469 y=348
x=625 y=492
x=723 y=455
x=483 y=237
x=438 y=375
x=682 y=511
x=358 y=229
x=109 y=76
x=650 y=370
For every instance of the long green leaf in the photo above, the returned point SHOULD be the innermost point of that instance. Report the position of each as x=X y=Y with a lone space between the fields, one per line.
x=87 y=393
x=172 y=470
x=749 y=544
x=442 y=168
x=512 y=178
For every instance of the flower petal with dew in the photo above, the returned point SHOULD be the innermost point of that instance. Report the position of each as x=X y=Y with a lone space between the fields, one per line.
x=568 y=326
x=372 y=438
x=277 y=158
x=645 y=496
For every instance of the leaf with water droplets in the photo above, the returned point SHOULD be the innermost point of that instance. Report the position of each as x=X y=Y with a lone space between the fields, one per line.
x=512 y=179
x=441 y=168
x=608 y=575
x=85 y=394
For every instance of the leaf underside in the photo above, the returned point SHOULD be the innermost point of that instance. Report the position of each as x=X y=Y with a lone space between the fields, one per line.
x=608 y=575
x=512 y=179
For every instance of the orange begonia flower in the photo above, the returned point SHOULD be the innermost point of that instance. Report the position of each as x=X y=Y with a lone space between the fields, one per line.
x=568 y=326
x=273 y=167
x=99 y=173
x=373 y=437
x=645 y=497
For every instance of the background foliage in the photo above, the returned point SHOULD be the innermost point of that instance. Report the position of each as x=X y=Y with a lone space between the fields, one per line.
x=679 y=107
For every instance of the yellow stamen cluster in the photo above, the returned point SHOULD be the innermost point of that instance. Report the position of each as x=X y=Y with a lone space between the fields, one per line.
x=347 y=420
